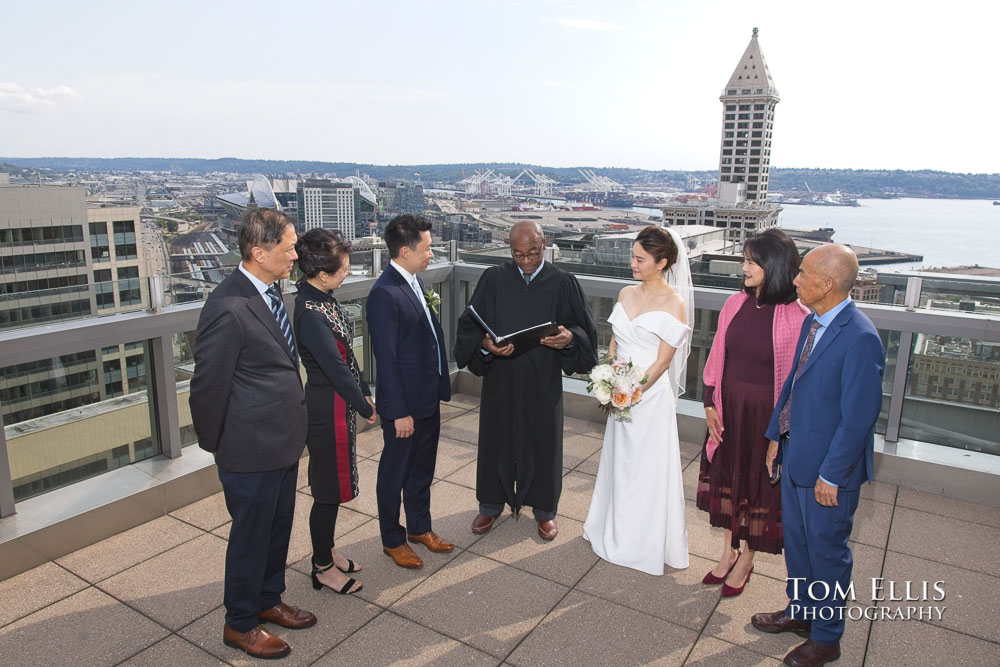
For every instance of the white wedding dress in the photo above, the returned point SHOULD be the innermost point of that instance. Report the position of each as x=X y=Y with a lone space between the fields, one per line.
x=636 y=516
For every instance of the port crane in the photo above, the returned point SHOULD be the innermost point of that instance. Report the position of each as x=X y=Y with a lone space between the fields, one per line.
x=486 y=182
x=601 y=183
x=543 y=184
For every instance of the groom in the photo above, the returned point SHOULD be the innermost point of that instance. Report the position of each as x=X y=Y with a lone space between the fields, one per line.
x=411 y=379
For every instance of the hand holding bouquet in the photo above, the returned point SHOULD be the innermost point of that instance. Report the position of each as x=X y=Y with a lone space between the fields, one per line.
x=617 y=384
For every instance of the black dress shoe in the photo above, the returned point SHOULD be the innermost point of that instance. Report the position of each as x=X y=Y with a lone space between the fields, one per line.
x=780 y=622
x=812 y=654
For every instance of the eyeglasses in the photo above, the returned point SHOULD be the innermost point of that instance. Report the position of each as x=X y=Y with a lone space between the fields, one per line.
x=534 y=254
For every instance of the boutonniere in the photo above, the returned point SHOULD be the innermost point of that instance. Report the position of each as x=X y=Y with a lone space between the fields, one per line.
x=433 y=300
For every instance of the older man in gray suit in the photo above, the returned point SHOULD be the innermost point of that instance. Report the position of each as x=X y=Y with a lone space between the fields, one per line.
x=249 y=410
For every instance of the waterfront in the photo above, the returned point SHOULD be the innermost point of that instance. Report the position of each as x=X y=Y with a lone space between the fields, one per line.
x=947 y=232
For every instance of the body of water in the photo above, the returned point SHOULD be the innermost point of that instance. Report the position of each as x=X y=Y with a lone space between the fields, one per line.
x=947 y=232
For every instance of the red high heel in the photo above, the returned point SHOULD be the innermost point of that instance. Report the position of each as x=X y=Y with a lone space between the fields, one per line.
x=730 y=592
x=712 y=580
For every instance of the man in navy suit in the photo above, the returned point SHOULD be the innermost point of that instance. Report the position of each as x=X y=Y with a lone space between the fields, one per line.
x=248 y=409
x=411 y=379
x=825 y=421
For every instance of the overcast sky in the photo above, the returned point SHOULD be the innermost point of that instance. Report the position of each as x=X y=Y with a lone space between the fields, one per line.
x=864 y=84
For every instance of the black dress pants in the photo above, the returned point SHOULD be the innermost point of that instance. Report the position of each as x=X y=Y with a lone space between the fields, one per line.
x=262 y=505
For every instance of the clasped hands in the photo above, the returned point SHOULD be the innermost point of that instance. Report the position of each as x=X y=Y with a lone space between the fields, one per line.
x=556 y=342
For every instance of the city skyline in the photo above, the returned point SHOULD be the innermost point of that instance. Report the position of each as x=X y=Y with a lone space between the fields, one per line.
x=557 y=83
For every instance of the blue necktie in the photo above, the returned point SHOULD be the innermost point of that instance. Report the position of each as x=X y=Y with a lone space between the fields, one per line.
x=420 y=297
x=281 y=316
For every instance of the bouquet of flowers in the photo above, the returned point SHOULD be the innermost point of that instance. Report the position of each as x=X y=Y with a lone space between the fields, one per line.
x=617 y=384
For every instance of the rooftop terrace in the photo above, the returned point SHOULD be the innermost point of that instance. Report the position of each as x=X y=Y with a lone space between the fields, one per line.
x=152 y=595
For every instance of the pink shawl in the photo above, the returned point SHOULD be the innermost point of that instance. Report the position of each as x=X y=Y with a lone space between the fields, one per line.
x=788 y=320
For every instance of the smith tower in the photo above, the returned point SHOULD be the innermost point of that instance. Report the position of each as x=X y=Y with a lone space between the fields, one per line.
x=747 y=122
x=740 y=205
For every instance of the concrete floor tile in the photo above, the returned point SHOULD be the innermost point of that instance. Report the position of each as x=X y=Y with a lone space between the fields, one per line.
x=482 y=603
x=173 y=651
x=451 y=410
x=585 y=630
x=411 y=644
x=337 y=617
x=956 y=509
x=712 y=652
x=384 y=581
x=916 y=643
x=584 y=427
x=366 y=502
x=467 y=401
x=677 y=596
x=690 y=475
x=118 y=553
x=689 y=451
x=464 y=476
x=208 y=513
x=880 y=491
x=971 y=598
x=563 y=560
x=464 y=428
x=453 y=508
x=35 y=589
x=576 y=493
x=590 y=464
x=945 y=540
x=577 y=448
x=302 y=482
x=452 y=455
x=177 y=586
x=871 y=523
x=703 y=539
x=299 y=542
x=223 y=530
x=370 y=442
x=87 y=628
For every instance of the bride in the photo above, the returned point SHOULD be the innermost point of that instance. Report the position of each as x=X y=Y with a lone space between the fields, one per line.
x=636 y=516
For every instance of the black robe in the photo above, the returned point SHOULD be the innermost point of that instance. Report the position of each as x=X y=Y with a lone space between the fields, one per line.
x=520 y=416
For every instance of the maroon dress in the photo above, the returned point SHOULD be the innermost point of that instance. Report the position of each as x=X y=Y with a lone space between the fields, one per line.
x=735 y=488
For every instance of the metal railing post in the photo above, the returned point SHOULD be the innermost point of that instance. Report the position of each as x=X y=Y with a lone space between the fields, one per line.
x=164 y=418
x=155 y=287
x=6 y=483
x=376 y=262
x=895 y=416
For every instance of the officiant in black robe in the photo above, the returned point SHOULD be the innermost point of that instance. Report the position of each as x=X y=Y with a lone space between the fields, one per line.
x=521 y=416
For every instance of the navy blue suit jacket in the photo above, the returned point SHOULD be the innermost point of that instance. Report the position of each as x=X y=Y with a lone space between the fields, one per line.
x=406 y=354
x=836 y=403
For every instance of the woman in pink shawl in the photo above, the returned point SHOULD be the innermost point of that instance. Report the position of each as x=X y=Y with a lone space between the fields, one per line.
x=750 y=358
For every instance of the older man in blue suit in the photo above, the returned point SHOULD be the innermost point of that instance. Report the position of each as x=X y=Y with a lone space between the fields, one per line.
x=824 y=421
x=411 y=379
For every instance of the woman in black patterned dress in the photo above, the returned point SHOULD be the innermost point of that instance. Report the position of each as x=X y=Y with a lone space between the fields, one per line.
x=334 y=392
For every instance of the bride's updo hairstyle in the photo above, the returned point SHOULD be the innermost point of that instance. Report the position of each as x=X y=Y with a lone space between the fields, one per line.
x=658 y=243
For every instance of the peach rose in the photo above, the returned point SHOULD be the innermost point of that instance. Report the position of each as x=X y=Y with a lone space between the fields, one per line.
x=620 y=400
x=636 y=395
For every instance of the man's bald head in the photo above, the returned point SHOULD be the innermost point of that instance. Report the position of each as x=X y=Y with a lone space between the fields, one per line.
x=838 y=263
x=525 y=232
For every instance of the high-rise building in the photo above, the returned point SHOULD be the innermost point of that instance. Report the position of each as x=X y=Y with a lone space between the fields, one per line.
x=740 y=205
x=62 y=259
x=326 y=204
x=397 y=196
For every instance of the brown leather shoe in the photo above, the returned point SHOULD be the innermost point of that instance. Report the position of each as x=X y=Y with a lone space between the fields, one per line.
x=258 y=642
x=482 y=523
x=812 y=654
x=404 y=556
x=432 y=541
x=780 y=622
x=287 y=617
x=547 y=530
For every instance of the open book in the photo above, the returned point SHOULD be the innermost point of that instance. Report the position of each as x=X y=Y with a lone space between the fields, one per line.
x=524 y=339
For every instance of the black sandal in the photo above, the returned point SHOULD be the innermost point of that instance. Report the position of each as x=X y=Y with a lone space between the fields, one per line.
x=344 y=590
x=351 y=567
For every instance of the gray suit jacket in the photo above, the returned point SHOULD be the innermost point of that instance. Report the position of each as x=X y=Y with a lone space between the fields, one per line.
x=246 y=396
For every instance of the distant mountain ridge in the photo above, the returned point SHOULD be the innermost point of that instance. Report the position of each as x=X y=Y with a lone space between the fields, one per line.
x=866 y=182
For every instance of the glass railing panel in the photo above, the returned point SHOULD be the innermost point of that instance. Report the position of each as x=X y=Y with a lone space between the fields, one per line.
x=194 y=286
x=953 y=393
x=183 y=348
x=39 y=307
x=890 y=341
x=75 y=416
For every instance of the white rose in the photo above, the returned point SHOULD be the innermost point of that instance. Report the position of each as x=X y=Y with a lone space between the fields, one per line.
x=602 y=394
x=601 y=373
